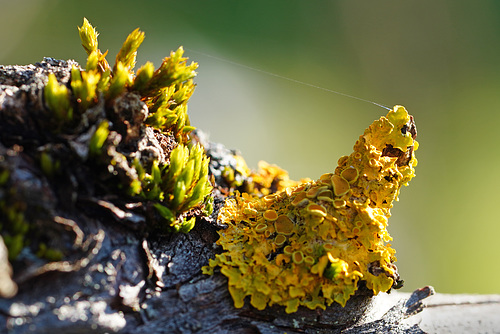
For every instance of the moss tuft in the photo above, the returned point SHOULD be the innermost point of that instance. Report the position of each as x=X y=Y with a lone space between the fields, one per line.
x=108 y=132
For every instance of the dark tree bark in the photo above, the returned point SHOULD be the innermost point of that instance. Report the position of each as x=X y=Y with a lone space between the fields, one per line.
x=117 y=276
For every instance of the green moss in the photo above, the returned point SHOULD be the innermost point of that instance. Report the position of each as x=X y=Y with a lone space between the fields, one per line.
x=144 y=75
x=174 y=187
x=85 y=108
x=177 y=187
x=128 y=52
x=16 y=228
x=98 y=138
x=84 y=87
x=48 y=164
x=50 y=254
x=13 y=226
x=57 y=99
x=88 y=36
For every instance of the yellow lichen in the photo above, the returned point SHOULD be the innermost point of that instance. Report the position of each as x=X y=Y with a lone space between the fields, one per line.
x=340 y=185
x=310 y=244
x=270 y=215
x=269 y=179
x=350 y=174
x=283 y=225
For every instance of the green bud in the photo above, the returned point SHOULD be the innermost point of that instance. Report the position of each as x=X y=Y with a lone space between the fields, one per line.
x=57 y=98
x=140 y=170
x=188 y=129
x=204 y=166
x=187 y=225
x=99 y=138
x=176 y=162
x=144 y=74
x=173 y=70
x=200 y=190
x=155 y=193
x=90 y=81
x=179 y=194
x=155 y=172
x=197 y=156
x=209 y=205
x=170 y=118
x=75 y=75
x=164 y=212
x=187 y=173
x=128 y=52
x=181 y=119
x=14 y=245
x=118 y=81
x=194 y=151
x=135 y=187
x=88 y=35
x=84 y=85
x=46 y=163
x=92 y=61
x=104 y=81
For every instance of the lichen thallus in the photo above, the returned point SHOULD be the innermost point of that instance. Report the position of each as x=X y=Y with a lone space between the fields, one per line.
x=313 y=243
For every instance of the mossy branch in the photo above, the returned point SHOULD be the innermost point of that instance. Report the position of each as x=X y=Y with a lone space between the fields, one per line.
x=101 y=168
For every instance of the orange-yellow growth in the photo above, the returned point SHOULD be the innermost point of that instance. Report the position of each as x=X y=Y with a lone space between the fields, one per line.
x=310 y=244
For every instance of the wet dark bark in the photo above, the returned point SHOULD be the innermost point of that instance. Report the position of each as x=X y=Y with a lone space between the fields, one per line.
x=117 y=276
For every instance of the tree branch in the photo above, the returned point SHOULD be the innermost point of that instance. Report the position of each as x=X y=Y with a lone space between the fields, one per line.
x=116 y=275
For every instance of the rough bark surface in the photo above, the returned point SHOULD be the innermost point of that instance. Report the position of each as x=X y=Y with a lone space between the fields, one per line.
x=117 y=277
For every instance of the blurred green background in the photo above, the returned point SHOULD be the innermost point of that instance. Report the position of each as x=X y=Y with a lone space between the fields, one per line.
x=440 y=59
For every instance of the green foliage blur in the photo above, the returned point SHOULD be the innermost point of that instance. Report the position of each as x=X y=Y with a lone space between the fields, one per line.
x=440 y=59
